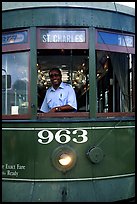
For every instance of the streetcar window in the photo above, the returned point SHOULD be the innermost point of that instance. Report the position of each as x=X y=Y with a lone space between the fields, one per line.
x=114 y=82
x=15 y=84
x=74 y=67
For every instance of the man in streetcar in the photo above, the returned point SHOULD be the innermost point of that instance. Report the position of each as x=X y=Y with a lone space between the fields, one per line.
x=60 y=97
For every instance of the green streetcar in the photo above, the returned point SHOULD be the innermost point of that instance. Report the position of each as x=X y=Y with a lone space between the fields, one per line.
x=87 y=155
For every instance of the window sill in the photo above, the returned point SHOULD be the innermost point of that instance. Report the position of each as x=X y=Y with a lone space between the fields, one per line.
x=83 y=114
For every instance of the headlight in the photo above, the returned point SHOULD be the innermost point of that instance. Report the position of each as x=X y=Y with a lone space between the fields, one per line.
x=64 y=158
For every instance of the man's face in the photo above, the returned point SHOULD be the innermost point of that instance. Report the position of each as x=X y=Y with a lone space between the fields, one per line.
x=55 y=78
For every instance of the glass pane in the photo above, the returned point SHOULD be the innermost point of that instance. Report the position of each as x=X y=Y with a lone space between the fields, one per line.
x=15 y=79
x=19 y=37
x=115 y=39
x=74 y=68
x=114 y=82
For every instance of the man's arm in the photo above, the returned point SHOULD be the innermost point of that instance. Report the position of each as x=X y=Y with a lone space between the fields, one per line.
x=64 y=108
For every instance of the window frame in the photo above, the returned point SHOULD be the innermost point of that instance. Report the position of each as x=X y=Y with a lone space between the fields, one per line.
x=17 y=48
x=62 y=45
x=115 y=48
x=119 y=49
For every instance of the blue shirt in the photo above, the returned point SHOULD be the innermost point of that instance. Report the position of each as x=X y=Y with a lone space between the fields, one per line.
x=63 y=95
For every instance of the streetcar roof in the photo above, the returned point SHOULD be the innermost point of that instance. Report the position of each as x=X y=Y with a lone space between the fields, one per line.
x=110 y=6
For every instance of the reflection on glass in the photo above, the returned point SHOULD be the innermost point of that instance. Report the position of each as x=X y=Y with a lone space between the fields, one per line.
x=15 y=91
x=114 y=82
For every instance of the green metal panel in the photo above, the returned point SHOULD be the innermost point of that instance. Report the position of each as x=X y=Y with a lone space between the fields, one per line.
x=92 y=73
x=82 y=17
x=23 y=147
x=33 y=71
x=29 y=163
x=108 y=190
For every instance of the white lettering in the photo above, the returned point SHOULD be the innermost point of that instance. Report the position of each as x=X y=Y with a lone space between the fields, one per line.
x=82 y=38
x=44 y=38
x=83 y=136
x=20 y=166
x=12 y=173
x=66 y=137
x=10 y=166
x=49 y=137
x=77 y=38
x=48 y=38
x=12 y=169
x=63 y=136
x=55 y=38
x=3 y=173
x=68 y=38
x=64 y=36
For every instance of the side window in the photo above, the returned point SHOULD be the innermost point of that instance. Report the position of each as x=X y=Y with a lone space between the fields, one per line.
x=15 y=86
x=15 y=74
x=115 y=83
x=115 y=71
x=74 y=67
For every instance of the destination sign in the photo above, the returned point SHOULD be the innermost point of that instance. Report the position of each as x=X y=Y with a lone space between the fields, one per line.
x=115 y=39
x=62 y=36
x=15 y=38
